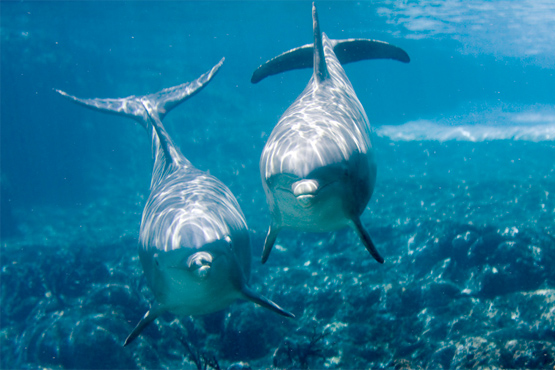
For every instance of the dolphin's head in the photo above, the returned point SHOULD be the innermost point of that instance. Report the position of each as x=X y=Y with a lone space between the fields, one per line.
x=321 y=200
x=196 y=281
x=195 y=257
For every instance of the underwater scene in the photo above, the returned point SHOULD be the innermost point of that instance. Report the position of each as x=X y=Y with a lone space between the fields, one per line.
x=241 y=219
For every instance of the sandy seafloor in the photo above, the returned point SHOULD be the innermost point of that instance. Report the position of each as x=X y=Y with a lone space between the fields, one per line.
x=463 y=210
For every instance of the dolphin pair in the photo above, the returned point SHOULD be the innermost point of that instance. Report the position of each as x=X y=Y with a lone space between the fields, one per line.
x=194 y=242
x=318 y=167
x=318 y=172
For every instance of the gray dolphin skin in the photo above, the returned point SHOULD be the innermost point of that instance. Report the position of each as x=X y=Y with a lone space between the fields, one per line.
x=318 y=167
x=194 y=243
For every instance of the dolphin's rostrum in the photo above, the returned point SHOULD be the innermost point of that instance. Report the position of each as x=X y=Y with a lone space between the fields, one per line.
x=194 y=243
x=318 y=168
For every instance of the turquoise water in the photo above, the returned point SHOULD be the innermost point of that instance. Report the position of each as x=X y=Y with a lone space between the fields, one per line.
x=463 y=211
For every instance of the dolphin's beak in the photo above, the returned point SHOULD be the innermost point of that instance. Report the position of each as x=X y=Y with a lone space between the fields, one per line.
x=305 y=191
x=199 y=264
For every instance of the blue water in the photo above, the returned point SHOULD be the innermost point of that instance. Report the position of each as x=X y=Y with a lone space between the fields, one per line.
x=463 y=211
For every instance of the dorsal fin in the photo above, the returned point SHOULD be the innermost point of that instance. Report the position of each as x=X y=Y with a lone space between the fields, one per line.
x=150 y=110
x=320 y=67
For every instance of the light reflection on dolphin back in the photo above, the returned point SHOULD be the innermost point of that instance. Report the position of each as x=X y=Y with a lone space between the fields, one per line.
x=181 y=211
x=318 y=167
x=193 y=243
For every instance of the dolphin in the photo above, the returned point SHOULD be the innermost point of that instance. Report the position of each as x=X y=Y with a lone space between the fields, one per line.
x=194 y=244
x=318 y=168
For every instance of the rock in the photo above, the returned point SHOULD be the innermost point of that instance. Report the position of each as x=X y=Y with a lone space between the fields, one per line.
x=508 y=278
x=462 y=244
x=484 y=247
x=519 y=354
x=442 y=358
x=404 y=364
x=239 y=366
x=475 y=352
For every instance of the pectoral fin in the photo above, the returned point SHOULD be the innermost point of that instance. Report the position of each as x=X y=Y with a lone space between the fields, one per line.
x=273 y=232
x=264 y=302
x=149 y=317
x=365 y=237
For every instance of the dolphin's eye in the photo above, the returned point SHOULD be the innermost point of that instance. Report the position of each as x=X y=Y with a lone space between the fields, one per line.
x=228 y=240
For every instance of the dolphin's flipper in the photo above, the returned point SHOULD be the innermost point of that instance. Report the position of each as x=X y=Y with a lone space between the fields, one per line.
x=365 y=237
x=264 y=302
x=273 y=232
x=149 y=317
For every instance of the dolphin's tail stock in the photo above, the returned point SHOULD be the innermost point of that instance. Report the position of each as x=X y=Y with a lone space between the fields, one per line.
x=150 y=110
x=347 y=51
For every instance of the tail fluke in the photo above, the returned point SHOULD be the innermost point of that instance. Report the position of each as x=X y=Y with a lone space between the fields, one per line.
x=171 y=97
x=347 y=51
x=354 y=50
x=150 y=110
x=298 y=58
x=130 y=106
x=161 y=102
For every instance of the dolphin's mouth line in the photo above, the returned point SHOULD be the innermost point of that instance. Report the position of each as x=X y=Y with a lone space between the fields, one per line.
x=306 y=200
